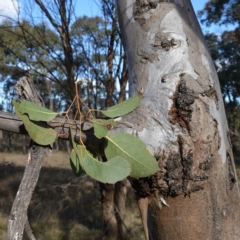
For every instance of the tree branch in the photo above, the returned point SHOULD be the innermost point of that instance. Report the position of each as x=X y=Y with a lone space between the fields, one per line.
x=11 y=123
x=29 y=231
x=48 y=15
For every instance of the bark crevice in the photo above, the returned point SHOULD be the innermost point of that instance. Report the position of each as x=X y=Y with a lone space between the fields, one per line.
x=185 y=165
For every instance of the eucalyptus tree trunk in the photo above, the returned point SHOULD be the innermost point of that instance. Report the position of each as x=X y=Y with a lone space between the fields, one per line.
x=182 y=121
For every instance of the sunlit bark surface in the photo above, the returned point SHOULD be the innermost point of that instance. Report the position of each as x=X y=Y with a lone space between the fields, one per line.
x=182 y=121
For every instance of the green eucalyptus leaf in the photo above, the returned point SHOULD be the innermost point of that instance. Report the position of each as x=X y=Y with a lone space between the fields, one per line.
x=112 y=171
x=75 y=163
x=73 y=143
x=78 y=149
x=39 y=132
x=34 y=111
x=132 y=149
x=123 y=107
x=101 y=127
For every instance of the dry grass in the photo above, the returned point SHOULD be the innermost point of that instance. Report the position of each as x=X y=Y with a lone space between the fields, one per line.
x=63 y=207
x=238 y=174
x=56 y=159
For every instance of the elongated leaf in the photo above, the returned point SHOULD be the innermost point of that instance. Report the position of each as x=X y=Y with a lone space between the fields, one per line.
x=75 y=163
x=74 y=145
x=34 y=111
x=134 y=151
x=112 y=171
x=101 y=126
x=79 y=149
x=123 y=107
x=76 y=158
x=39 y=132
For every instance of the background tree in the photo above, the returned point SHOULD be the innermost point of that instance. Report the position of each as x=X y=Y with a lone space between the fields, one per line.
x=57 y=49
x=106 y=62
x=60 y=47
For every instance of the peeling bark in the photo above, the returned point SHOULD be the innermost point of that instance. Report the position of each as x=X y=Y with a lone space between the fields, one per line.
x=182 y=121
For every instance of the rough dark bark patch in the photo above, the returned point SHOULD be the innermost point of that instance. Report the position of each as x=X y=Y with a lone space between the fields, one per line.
x=181 y=111
x=161 y=42
x=142 y=6
x=211 y=93
x=175 y=176
x=206 y=165
x=174 y=171
x=185 y=164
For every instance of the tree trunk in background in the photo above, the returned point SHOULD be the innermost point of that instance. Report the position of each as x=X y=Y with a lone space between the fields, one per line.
x=1 y=141
x=182 y=121
x=9 y=145
x=114 y=196
x=49 y=92
x=24 y=144
x=63 y=28
x=110 y=226
x=123 y=81
x=120 y=195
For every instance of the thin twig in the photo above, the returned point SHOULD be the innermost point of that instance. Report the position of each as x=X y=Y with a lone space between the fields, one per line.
x=29 y=230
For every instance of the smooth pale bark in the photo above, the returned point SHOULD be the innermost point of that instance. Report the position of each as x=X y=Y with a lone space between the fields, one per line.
x=182 y=121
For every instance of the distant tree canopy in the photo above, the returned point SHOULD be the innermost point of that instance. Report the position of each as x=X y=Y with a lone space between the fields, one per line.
x=61 y=48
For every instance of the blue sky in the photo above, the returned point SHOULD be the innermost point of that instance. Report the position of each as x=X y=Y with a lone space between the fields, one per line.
x=198 y=4
x=83 y=7
x=89 y=7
